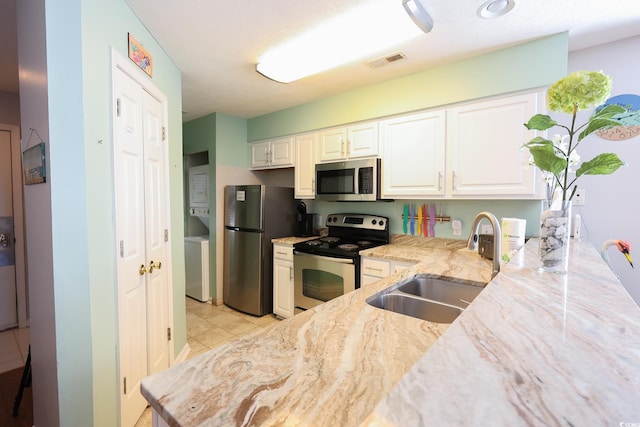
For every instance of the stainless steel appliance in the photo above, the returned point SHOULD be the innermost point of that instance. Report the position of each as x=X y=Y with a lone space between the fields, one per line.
x=328 y=267
x=354 y=180
x=253 y=215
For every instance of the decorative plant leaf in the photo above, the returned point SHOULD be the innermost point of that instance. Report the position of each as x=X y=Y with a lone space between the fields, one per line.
x=608 y=112
x=545 y=158
x=540 y=122
x=597 y=124
x=602 y=164
x=537 y=141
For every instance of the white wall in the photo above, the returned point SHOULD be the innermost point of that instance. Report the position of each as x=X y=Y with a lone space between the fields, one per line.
x=612 y=206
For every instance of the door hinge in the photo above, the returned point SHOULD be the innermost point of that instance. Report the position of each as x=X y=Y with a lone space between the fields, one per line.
x=125 y=385
x=121 y=248
x=168 y=334
x=118 y=107
x=166 y=235
x=164 y=133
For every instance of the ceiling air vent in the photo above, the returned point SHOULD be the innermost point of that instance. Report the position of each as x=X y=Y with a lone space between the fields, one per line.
x=377 y=63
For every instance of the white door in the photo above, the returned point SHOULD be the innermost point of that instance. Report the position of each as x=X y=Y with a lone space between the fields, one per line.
x=8 y=300
x=140 y=198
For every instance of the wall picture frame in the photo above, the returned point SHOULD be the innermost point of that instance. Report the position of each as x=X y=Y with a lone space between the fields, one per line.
x=139 y=55
x=34 y=164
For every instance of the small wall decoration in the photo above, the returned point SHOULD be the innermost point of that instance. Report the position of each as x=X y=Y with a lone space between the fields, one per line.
x=629 y=121
x=140 y=56
x=33 y=164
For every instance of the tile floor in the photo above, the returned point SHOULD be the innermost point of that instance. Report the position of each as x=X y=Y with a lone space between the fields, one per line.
x=14 y=348
x=209 y=326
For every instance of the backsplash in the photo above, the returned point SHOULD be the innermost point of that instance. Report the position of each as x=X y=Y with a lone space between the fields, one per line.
x=463 y=210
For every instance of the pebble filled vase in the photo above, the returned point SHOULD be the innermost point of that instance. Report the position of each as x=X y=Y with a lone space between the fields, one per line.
x=555 y=234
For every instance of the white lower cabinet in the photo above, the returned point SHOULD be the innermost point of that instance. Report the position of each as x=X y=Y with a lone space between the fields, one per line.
x=283 y=280
x=374 y=269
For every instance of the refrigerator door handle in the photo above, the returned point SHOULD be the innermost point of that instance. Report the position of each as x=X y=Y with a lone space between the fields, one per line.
x=326 y=258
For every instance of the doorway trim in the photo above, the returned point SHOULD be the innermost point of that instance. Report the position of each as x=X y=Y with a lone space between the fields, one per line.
x=18 y=223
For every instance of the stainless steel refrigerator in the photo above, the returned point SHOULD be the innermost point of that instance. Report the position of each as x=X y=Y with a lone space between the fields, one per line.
x=253 y=215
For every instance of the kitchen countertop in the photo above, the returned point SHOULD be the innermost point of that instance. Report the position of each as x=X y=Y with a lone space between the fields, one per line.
x=533 y=348
x=291 y=240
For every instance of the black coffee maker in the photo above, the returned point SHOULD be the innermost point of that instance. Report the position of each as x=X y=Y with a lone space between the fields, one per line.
x=305 y=221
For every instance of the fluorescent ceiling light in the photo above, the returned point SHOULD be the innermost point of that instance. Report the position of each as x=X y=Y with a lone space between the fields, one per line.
x=358 y=33
x=419 y=14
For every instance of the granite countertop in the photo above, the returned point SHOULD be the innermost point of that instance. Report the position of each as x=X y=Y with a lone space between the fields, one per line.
x=532 y=348
x=291 y=240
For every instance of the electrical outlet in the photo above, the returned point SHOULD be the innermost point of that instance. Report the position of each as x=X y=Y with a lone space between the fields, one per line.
x=579 y=197
x=486 y=229
x=456 y=225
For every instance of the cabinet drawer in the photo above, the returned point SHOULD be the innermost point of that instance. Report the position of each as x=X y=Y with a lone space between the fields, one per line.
x=283 y=252
x=372 y=267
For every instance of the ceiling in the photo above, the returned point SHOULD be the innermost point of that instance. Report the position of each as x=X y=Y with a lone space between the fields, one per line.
x=216 y=43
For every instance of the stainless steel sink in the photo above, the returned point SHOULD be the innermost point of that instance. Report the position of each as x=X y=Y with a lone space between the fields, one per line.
x=426 y=298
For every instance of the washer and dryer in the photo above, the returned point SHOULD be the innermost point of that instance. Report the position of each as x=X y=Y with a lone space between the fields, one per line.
x=196 y=254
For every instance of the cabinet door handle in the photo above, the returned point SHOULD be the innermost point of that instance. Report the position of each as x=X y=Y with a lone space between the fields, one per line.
x=290 y=273
x=313 y=185
x=142 y=270
x=374 y=269
x=342 y=147
x=454 y=179
x=439 y=181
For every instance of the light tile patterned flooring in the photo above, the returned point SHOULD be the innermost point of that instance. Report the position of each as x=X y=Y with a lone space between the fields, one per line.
x=14 y=348
x=209 y=326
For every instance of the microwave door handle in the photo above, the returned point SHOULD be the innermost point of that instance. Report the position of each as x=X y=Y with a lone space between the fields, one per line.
x=326 y=258
x=356 y=180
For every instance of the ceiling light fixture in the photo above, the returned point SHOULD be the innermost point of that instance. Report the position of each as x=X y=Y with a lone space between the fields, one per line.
x=419 y=14
x=371 y=29
x=494 y=8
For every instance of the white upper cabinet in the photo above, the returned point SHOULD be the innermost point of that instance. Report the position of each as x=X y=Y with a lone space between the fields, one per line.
x=485 y=157
x=471 y=151
x=413 y=155
x=348 y=142
x=274 y=153
x=305 y=166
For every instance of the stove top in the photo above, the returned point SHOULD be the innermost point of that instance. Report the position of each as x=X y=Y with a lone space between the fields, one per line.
x=347 y=235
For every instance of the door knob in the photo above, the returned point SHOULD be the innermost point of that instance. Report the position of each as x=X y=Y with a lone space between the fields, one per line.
x=5 y=240
x=142 y=270
x=153 y=265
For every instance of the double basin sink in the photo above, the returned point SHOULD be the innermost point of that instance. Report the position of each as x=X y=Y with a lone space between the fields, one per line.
x=433 y=299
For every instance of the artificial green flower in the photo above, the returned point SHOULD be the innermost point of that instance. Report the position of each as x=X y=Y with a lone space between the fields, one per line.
x=580 y=90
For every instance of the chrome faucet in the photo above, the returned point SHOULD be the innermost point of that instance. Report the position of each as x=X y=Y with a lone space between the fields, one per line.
x=472 y=243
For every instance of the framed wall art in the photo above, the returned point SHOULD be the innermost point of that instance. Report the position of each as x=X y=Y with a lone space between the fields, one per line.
x=34 y=164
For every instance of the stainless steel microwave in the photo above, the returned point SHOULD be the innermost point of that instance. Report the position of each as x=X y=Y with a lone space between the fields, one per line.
x=352 y=180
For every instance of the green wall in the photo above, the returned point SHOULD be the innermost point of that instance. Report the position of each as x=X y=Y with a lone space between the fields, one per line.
x=529 y=65
x=525 y=66
x=224 y=138
x=80 y=34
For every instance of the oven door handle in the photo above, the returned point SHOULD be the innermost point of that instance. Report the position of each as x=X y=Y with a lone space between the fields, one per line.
x=326 y=258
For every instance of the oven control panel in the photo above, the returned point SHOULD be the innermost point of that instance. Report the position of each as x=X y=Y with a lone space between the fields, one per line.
x=369 y=222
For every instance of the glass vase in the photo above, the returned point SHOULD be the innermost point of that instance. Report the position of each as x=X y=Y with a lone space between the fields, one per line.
x=555 y=234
